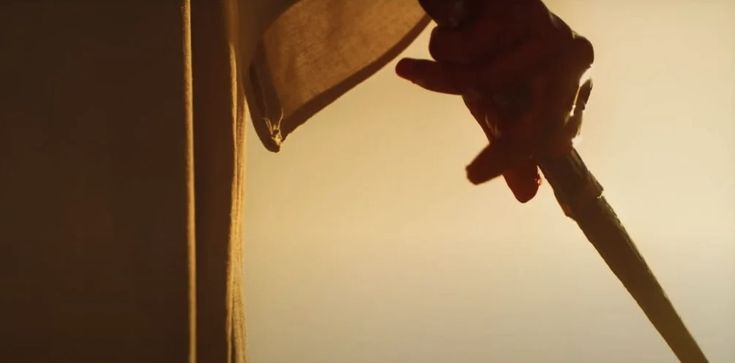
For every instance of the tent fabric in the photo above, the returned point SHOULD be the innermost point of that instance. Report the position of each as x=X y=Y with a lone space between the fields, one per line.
x=94 y=182
x=121 y=173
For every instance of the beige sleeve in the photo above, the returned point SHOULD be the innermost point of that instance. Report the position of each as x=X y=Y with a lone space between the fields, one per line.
x=316 y=51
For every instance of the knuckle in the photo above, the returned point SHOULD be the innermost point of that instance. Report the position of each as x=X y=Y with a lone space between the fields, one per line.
x=437 y=45
x=558 y=29
x=435 y=50
x=584 y=49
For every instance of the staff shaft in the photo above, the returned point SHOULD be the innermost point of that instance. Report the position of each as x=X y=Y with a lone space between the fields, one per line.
x=580 y=195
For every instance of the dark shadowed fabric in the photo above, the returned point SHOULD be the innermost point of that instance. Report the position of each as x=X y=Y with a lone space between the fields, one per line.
x=121 y=166
x=93 y=182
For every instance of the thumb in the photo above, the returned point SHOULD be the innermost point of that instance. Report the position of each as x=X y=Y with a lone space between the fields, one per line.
x=493 y=161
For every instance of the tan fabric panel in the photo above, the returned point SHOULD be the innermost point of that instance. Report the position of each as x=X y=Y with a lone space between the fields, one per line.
x=252 y=18
x=121 y=169
x=93 y=182
x=319 y=49
x=105 y=109
x=218 y=164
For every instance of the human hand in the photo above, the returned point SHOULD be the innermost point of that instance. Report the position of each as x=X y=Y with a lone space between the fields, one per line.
x=518 y=68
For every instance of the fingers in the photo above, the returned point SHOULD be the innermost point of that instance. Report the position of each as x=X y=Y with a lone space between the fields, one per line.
x=523 y=180
x=484 y=113
x=439 y=77
x=467 y=44
x=450 y=13
x=563 y=84
x=499 y=26
x=520 y=173
x=493 y=161
x=579 y=55
x=521 y=63
x=516 y=66
x=511 y=56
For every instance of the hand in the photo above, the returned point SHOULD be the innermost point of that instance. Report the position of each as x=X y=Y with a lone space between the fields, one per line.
x=518 y=68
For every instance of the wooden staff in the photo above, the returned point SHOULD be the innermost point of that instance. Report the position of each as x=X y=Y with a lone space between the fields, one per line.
x=580 y=196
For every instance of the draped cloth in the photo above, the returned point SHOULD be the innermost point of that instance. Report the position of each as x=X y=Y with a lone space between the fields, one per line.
x=316 y=51
x=122 y=165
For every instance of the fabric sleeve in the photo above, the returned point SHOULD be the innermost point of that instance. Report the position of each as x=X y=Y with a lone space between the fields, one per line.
x=316 y=51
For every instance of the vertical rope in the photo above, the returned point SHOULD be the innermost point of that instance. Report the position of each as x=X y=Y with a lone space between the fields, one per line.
x=191 y=210
x=235 y=280
x=235 y=321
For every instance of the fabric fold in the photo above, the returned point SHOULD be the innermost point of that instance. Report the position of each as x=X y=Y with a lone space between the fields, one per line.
x=318 y=50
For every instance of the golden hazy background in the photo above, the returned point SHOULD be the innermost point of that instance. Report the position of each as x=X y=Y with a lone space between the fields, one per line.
x=365 y=243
